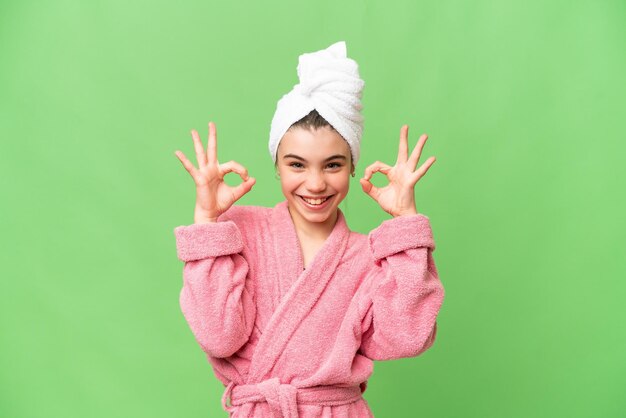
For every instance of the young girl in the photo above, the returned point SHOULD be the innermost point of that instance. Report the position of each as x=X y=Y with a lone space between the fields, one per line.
x=290 y=306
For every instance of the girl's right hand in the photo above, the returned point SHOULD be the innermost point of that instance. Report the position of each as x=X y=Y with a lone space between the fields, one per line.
x=213 y=195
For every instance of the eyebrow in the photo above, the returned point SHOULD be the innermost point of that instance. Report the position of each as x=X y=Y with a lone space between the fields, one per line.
x=332 y=157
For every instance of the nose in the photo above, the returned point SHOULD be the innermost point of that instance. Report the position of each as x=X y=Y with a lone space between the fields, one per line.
x=315 y=182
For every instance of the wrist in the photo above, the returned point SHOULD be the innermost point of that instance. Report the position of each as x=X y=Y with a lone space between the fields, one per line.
x=204 y=220
x=397 y=215
x=405 y=212
x=202 y=217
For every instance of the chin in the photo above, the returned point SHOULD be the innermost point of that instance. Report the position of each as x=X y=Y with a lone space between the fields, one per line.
x=319 y=218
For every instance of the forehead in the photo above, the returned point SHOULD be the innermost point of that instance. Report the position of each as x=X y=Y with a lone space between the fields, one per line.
x=313 y=144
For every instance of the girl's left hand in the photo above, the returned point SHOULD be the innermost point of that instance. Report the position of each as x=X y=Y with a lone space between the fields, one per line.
x=398 y=197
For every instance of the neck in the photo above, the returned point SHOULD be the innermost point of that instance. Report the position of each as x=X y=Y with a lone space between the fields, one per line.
x=314 y=230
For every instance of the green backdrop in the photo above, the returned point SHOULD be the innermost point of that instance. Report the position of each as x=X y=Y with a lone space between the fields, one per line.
x=524 y=103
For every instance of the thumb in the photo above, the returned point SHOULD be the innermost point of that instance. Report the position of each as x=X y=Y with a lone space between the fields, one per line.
x=369 y=188
x=243 y=188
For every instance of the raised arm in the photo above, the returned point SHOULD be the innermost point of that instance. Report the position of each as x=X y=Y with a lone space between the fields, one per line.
x=401 y=309
x=216 y=299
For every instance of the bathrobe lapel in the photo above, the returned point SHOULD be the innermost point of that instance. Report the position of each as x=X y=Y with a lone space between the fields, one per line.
x=299 y=289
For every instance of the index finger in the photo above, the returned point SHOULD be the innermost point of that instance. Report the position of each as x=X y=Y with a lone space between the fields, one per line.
x=233 y=166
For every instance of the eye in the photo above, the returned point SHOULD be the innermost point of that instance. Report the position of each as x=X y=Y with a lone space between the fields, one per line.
x=334 y=165
x=295 y=164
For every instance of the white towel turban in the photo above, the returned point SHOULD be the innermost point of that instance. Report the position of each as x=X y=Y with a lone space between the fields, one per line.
x=330 y=84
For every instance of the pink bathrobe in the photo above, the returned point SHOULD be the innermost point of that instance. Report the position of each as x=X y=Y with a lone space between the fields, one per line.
x=289 y=342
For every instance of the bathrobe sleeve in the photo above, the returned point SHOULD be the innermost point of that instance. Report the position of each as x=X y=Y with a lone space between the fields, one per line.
x=215 y=299
x=405 y=295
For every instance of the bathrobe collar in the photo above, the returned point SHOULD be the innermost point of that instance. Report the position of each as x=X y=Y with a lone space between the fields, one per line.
x=299 y=289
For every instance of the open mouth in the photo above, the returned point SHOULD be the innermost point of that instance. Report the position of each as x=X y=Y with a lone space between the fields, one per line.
x=317 y=201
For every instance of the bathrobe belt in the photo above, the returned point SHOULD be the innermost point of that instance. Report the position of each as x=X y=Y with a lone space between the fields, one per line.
x=283 y=399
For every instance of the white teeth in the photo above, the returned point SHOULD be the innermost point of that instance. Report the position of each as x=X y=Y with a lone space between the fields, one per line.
x=315 y=201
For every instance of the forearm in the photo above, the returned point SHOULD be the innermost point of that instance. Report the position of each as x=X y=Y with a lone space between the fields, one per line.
x=404 y=307
x=215 y=299
x=217 y=303
x=406 y=291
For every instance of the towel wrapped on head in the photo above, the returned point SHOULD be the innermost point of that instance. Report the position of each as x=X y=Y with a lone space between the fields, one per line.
x=329 y=83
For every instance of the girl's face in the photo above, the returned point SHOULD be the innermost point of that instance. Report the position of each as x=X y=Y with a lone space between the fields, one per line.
x=314 y=168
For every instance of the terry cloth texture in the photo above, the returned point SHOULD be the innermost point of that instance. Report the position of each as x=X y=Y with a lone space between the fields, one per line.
x=292 y=342
x=329 y=83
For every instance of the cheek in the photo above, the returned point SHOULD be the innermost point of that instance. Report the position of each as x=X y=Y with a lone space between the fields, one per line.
x=341 y=183
x=346 y=186
x=288 y=182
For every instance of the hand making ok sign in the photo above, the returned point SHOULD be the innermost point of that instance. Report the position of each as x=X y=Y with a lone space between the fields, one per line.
x=213 y=195
x=398 y=197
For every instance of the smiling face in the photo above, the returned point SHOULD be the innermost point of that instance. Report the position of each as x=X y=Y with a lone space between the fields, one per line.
x=314 y=167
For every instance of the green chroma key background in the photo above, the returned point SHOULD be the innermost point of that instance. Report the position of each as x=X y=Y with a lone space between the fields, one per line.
x=524 y=105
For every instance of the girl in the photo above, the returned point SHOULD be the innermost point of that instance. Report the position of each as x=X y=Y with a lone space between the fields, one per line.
x=290 y=306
